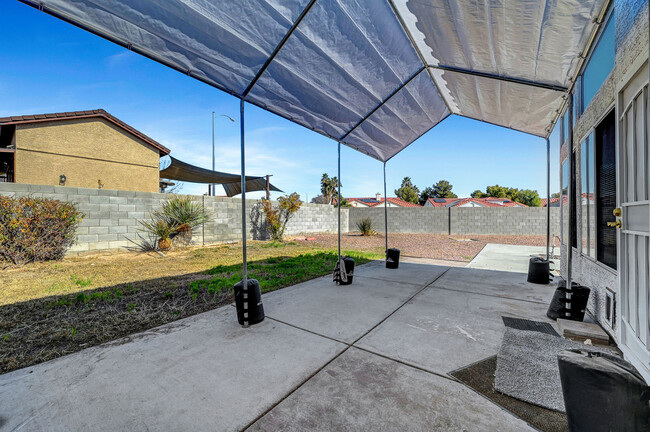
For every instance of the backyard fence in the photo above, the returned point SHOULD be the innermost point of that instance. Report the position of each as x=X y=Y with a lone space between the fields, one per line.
x=460 y=221
x=111 y=220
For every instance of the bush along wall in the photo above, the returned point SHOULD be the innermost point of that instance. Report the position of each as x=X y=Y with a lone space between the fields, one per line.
x=36 y=229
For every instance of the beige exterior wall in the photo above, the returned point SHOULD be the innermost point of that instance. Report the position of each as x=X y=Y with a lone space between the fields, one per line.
x=86 y=151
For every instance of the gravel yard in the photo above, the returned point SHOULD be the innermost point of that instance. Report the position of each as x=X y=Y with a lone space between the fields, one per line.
x=436 y=246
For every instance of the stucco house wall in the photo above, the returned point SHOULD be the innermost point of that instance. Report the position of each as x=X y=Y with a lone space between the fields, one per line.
x=89 y=152
x=631 y=21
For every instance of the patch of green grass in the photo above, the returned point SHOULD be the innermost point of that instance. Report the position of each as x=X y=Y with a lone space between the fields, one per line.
x=81 y=282
x=467 y=258
x=276 y=244
x=275 y=272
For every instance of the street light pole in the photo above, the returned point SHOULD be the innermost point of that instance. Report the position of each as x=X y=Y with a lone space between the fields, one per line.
x=212 y=192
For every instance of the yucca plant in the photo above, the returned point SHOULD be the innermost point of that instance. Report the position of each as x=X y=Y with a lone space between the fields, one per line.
x=365 y=227
x=186 y=214
x=160 y=226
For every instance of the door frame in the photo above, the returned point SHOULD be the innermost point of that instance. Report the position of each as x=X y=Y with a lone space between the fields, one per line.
x=642 y=364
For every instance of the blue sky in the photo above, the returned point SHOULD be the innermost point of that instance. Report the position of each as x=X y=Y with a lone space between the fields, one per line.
x=47 y=65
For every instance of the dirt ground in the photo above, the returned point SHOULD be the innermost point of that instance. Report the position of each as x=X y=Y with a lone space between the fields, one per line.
x=436 y=246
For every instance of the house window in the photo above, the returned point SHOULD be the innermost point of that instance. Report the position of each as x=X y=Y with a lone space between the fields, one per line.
x=563 y=200
x=605 y=182
x=599 y=63
x=587 y=187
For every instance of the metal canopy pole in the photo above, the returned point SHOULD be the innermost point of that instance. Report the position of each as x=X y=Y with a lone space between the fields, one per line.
x=243 y=209
x=213 y=185
x=385 y=211
x=571 y=198
x=548 y=198
x=338 y=200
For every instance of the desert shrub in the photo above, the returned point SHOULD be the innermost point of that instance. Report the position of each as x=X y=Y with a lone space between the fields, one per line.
x=365 y=227
x=278 y=216
x=186 y=214
x=159 y=226
x=36 y=229
x=184 y=211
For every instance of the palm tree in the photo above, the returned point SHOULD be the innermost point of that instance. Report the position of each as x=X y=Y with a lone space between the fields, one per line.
x=328 y=187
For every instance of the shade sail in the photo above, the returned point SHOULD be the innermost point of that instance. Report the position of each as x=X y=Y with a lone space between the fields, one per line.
x=373 y=74
x=182 y=171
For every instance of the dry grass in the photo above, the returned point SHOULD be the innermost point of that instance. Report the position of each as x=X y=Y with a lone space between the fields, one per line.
x=56 y=308
x=77 y=274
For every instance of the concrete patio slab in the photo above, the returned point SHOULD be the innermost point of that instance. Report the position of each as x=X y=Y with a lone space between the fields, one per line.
x=363 y=392
x=441 y=330
x=496 y=283
x=511 y=258
x=201 y=373
x=408 y=272
x=208 y=373
x=341 y=312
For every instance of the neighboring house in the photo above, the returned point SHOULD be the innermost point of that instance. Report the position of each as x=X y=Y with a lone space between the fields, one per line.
x=555 y=202
x=472 y=202
x=90 y=149
x=609 y=148
x=379 y=201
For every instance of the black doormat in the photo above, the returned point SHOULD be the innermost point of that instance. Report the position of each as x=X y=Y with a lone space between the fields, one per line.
x=524 y=324
x=480 y=377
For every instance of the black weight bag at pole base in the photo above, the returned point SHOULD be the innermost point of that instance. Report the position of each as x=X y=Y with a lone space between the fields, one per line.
x=539 y=271
x=392 y=258
x=249 y=310
x=579 y=299
x=603 y=393
x=344 y=271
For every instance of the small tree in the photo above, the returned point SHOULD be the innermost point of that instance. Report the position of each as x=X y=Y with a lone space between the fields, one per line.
x=478 y=194
x=425 y=195
x=278 y=216
x=442 y=189
x=529 y=197
x=408 y=191
x=318 y=199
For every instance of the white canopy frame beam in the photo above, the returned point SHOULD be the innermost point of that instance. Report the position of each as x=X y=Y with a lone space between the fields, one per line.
x=513 y=80
x=277 y=49
x=382 y=103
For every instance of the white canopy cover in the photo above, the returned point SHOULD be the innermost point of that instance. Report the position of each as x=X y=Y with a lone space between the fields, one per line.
x=373 y=74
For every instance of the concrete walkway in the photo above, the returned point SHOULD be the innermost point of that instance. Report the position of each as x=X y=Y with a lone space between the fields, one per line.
x=371 y=356
x=512 y=258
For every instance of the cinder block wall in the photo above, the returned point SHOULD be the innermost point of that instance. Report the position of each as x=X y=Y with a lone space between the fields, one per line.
x=111 y=219
x=497 y=221
x=404 y=220
x=503 y=221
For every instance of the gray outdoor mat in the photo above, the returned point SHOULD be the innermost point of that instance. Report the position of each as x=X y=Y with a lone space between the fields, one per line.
x=527 y=367
x=480 y=377
x=530 y=325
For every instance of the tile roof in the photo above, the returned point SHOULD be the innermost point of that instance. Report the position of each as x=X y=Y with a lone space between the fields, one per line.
x=372 y=202
x=485 y=202
x=553 y=201
x=438 y=202
x=39 y=118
